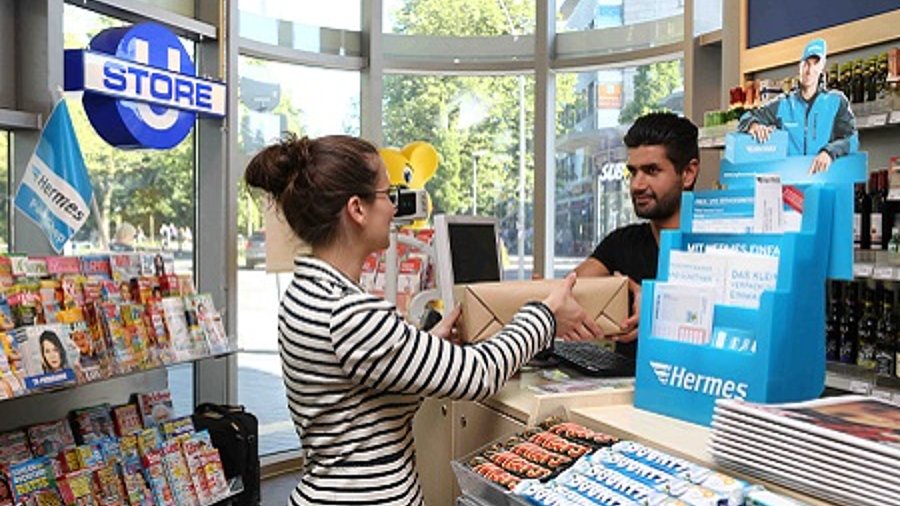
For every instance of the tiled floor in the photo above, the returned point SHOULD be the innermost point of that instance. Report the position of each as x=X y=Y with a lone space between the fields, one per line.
x=276 y=491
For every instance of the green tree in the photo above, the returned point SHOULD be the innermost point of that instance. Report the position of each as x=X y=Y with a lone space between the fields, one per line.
x=652 y=83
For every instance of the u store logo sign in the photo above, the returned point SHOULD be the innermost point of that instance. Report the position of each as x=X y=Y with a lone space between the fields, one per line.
x=140 y=87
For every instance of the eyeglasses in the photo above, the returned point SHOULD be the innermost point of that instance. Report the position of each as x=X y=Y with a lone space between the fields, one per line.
x=391 y=192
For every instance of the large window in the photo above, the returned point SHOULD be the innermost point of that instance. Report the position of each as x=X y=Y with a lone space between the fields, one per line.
x=276 y=98
x=460 y=18
x=575 y=15
x=144 y=198
x=595 y=110
x=475 y=124
x=308 y=25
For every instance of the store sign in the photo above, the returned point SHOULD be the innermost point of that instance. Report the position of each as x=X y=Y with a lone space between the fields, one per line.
x=140 y=87
x=611 y=171
x=680 y=377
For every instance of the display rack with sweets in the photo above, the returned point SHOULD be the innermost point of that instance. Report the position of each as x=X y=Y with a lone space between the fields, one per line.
x=73 y=320
x=538 y=466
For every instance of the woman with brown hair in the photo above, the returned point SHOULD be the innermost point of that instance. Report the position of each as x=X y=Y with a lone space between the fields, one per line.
x=354 y=370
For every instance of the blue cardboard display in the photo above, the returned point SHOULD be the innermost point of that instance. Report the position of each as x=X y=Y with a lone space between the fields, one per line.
x=684 y=380
x=844 y=172
x=742 y=147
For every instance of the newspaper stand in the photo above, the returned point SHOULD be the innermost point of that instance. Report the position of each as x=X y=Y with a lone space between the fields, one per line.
x=787 y=362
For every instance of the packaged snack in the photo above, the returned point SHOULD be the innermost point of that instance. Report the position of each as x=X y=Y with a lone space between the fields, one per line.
x=540 y=455
x=578 y=433
x=517 y=465
x=593 y=490
x=539 y=494
x=557 y=444
x=628 y=487
x=497 y=474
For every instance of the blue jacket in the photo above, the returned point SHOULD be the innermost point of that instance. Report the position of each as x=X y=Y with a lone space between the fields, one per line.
x=826 y=123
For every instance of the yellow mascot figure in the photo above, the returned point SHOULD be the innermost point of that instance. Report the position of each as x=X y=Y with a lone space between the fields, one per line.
x=412 y=167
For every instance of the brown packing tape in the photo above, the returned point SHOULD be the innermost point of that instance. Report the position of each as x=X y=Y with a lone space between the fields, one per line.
x=486 y=307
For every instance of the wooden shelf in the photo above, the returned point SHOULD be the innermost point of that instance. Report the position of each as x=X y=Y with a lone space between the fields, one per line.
x=713 y=38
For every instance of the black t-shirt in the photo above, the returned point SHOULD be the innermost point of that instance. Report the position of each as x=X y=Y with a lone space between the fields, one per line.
x=631 y=250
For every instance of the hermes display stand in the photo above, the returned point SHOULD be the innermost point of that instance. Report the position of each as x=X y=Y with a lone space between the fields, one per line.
x=684 y=380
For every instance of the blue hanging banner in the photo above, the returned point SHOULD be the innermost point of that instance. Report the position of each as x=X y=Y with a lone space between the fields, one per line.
x=55 y=191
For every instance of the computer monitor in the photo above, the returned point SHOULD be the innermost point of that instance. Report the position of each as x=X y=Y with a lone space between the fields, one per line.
x=467 y=250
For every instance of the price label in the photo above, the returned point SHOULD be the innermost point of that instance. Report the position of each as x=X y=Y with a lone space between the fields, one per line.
x=860 y=387
x=882 y=394
x=895 y=117
x=883 y=273
x=878 y=120
x=863 y=270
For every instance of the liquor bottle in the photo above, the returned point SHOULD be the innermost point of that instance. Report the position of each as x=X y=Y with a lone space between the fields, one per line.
x=875 y=218
x=832 y=323
x=848 y=325
x=857 y=88
x=882 y=84
x=870 y=79
x=868 y=326
x=887 y=210
x=886 y=336
x=861 y=219
x=833 y=82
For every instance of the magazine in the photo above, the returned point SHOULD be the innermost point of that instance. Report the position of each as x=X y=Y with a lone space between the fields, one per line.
x=210 y=322
x=34 y=482
x=49 y=438
x=48 y=355
x=775 y=470
x=14 y=447
x=737 y=423
x=825 y=470
x=91 y=362
x=96 y=266
x=93 y=423
x=181 y=340
x=155 y=407
x=76 y=488
x=127 y=419
x=860 y=421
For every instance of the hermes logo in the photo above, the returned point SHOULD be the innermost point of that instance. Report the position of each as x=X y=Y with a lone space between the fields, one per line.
x=679 y=377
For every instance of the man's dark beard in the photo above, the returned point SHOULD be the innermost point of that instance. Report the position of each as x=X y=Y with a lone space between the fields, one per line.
x=663 y=209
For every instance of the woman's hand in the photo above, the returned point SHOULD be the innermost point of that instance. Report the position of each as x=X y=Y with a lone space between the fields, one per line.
x=446 y=328
x=572 y=321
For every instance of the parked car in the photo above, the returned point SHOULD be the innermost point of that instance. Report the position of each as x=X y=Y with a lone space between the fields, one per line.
x=255 y=249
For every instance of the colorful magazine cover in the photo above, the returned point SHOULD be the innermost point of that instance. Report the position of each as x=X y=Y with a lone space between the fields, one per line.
x=6 y=272
x=14 y=447
x=136 y=333
x=210 y=322
x=93 y=423
x=48 y=355
x=10 y=376
x=50 y=293
x=182 y=343
x=92 y=362
x=127 y=419
x=96 y=266
x=50 y=438
x=171 y=429
x=77 y=489
x=155 y=473
x=123 y=358
x=125 y=266
x=6 y=490
x=34 y=482
x=860 y=421
x=63 y=265
x=109 y=483
x=156 y=407
x=25 y=304
x=178 y=474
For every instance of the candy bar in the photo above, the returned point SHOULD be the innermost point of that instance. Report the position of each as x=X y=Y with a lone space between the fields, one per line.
x=594 y=490
x=518 y=465
x=496 y=474
x=558 y=444
x=540 y=455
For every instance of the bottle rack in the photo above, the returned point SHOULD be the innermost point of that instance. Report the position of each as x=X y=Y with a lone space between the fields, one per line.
x=684 y=380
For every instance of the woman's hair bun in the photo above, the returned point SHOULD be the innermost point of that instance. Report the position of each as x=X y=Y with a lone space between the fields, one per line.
x=276 y=167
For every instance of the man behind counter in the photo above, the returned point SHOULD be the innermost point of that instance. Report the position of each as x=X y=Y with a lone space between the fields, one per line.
x=663 y=161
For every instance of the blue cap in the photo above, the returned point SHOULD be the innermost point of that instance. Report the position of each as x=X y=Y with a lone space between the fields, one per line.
x=815 y=47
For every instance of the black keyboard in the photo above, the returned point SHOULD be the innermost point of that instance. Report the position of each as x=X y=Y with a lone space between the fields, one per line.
x=593 y=360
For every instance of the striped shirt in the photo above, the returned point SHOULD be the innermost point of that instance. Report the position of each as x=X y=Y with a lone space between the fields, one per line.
x=355 y=374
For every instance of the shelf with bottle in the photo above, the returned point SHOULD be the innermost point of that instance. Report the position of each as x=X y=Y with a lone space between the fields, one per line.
x=862 y=337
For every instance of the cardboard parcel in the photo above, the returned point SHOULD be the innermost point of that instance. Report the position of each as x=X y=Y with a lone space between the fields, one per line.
x=487 y=307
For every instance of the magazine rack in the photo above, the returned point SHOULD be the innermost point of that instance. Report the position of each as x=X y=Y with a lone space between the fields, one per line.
x=684 y=380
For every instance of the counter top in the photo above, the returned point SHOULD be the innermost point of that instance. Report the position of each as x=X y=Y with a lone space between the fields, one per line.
x=534 y=394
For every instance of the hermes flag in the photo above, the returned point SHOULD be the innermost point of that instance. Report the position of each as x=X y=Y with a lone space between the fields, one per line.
x=55 y=191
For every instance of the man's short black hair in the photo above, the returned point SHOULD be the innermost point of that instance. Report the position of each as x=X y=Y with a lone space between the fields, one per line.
x=677 y=134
